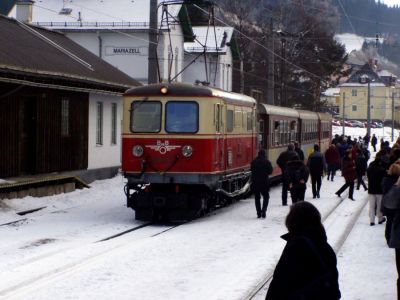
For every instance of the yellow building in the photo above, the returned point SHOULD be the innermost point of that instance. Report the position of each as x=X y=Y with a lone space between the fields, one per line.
x=353 y=97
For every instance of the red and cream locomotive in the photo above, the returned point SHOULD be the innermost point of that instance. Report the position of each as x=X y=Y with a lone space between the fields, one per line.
x=188 y=148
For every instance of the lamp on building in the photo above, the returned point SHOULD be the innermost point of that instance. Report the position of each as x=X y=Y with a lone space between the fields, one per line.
x=364 y=79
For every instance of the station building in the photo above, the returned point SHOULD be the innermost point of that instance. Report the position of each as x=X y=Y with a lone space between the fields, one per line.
x=60 y=105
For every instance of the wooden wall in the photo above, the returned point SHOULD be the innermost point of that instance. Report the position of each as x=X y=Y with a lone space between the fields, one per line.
x=30 y=131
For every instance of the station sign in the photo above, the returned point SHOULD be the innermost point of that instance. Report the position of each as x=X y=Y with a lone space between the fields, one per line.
x=141 y=51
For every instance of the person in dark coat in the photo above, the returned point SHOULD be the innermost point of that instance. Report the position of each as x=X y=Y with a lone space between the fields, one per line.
x=366 y=140
x=336 y=139
x=316 y=165
x=390 y=179
x=332 y=158
x=374 y=141
x=261 y=168
x=349 y=174
x=376 y=172
x=361 y=169
x=282 y=160
x=392 y=232
x=387 y=183
x=394 y=155
x=296 y=175
x=343 y=148
x=307 y=268
x=298 y=150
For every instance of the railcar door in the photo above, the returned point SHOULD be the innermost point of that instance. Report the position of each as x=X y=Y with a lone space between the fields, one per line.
x=220 y=136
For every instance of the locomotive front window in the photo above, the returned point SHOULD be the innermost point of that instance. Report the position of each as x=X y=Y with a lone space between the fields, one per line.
x=182 y=117
x=146 y=116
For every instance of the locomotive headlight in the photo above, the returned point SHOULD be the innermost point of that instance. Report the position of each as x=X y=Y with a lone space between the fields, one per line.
x=137 y=151
x=164 y=90
x=187 y=151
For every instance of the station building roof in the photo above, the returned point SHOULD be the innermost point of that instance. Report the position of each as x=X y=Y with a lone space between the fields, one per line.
x=39 y=57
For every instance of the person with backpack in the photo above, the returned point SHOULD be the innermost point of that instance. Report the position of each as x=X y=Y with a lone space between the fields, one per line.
x=261 y=168
x=316 y=165
x=282 y=161
x=332 y=158
x=307 y=268
x=296 y=175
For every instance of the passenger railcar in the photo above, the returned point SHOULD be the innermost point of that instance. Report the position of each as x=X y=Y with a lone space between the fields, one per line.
x=278 y=126
x=186 y=148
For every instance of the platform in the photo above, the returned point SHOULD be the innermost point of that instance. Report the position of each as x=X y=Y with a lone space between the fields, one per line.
x=40 y=186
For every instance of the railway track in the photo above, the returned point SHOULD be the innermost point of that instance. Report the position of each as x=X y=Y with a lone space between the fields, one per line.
x=259 y=291
x=10 y=290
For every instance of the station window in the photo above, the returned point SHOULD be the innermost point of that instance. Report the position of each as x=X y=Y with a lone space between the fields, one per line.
x=99 y=124
x=354 y=108
x=354 y=92
x=114 y=123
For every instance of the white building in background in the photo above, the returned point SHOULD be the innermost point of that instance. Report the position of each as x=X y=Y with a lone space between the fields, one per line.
x=117 y=31
x=215 y=67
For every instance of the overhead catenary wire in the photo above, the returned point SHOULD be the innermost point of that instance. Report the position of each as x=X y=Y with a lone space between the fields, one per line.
x=264 y=47
x=236 y=30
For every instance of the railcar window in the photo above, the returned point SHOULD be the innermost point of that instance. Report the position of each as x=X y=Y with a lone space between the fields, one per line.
x=181 y=117
x=238 y=118
x=249 y=121
x=276 y=132
x=146 y=116
x=229 y=120
x=293 y=131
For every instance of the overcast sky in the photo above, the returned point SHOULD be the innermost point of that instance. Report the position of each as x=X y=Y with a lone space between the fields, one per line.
x=391 y=2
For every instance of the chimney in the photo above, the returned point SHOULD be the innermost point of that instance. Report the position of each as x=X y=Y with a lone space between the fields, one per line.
x=24 y=10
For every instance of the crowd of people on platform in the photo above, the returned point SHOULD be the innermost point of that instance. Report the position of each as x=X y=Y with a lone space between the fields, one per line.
x=351 y=157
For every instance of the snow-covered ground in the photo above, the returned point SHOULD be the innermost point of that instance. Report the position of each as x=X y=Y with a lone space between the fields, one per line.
x=54 y=254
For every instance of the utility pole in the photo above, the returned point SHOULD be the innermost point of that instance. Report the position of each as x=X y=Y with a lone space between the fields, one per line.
x=369 y=109
x=241 y=74
x=365 y=79
x=271 y=64
x=153 y=39
x=343 y=106
x=393 y=93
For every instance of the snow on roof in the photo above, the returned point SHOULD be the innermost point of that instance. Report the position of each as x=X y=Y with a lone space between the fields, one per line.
x=331 y=92
x=386 y=73
x=356 y=84
x=212 y=40
x=89 y=14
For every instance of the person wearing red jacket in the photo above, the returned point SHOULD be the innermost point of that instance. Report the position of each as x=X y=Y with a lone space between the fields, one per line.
x=332 y=158
x=349 y=174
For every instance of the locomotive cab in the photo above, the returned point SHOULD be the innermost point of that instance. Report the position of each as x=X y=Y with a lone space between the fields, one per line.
x=185 y=149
